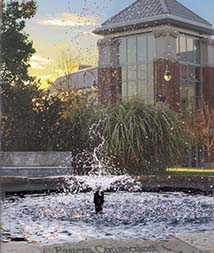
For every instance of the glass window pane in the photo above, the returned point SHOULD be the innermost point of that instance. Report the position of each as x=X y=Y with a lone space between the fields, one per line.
x=141 y=49
x=198 y=96
x=183 y=48
x=184 y=96
x=124 y=89
x=190 y=72
x=122 y=52
x=191 y=104
x=190 y=51
x=124 y=74
x=132 y=89
x=150 y=100
x=118 y=89
x=184 y=90
x=151 y=47
x=132 y=73
x=178 y=47
x=197 y=89
x=150 y=84
x=197 y=52
x=116 y=51
x=142 y=80
x=132 y=50
x=191 y=89
x=142 y=72
x=150 y=72
x=183 y=69
x=142 y=89
x=198 y=102
x=197 y=73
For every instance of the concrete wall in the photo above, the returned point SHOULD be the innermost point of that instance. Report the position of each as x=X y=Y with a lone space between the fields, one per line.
x=34 y=159
x=35 y=164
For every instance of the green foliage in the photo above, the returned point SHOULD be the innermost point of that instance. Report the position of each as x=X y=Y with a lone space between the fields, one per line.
x=17 y=126
x=17 y=89
x=47 y=123
x=139 y=138
x=35 y=121
x=144 y=139
x=16 y=47
x=77 y=116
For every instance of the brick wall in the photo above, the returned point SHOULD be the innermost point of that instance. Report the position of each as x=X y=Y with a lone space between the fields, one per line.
x=208 y=85
x=108 y=86
x=171 y=89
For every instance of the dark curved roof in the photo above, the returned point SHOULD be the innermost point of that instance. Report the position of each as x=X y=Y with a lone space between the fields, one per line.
x=150 y=11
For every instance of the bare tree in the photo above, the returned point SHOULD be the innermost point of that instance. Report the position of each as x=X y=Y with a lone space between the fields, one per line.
x=67 y=64
x=201 y=125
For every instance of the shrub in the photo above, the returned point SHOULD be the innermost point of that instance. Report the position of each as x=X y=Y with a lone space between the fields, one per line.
x=143 y=139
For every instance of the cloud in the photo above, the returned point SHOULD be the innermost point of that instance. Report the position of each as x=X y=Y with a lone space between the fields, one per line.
x=40 y=59
x=45 y=77
x=69 y=20
x=36 y=65
x=86 y=33
x=38 y=62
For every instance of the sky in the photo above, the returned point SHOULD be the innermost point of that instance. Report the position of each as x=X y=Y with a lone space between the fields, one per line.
x=62 y=29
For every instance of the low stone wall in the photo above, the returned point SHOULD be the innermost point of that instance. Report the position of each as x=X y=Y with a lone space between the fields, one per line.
x=35 y=164
x=34 y=159
x=178 y=183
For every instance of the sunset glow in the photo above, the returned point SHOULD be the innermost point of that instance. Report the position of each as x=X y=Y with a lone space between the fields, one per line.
x=67 y=26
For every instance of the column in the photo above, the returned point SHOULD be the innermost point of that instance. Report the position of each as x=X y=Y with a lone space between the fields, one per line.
x=208 y=71
x=166 y=58
x=108 y=70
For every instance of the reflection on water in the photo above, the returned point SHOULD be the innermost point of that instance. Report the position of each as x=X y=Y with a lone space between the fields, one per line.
x=126 y=215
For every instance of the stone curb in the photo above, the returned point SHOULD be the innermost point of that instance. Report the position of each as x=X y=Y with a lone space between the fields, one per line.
x=103 y=246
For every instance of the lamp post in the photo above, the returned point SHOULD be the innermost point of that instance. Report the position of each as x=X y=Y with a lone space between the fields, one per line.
x=167 y=74
x=167 y=77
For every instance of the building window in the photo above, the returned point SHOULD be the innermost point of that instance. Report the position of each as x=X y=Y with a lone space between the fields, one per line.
x=136 y=55
x=189 y=56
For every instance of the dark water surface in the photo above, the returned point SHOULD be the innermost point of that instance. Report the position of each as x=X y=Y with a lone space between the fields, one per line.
x=126 y=216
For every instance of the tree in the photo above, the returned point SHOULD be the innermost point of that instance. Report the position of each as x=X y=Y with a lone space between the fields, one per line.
x=201 y=128
x=16 y=47
x=17 y=89
x=67 y=64
x=78 y=114
x=18 y=119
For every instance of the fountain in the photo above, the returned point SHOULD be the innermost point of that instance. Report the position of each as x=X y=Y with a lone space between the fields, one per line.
x=129 y=213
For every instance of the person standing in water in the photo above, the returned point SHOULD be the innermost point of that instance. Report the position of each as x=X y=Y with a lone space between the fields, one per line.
x=98 y=200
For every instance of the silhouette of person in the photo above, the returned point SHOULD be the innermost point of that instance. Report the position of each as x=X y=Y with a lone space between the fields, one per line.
x=98 y=200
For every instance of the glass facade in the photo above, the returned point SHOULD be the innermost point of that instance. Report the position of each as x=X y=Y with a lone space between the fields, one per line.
x=189 y=56
x=136 y=55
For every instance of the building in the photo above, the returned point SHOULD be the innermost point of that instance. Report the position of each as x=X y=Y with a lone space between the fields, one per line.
x=157 y=50
x=85 y=78
x=161 y=51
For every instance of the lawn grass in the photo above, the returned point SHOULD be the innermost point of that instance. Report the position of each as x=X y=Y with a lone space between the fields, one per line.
x=191 y=171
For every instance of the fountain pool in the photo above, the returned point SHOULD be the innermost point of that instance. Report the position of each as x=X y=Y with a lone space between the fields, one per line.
x=127 y=214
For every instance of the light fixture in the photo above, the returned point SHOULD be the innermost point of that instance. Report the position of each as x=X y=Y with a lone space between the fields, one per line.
x=167 y=74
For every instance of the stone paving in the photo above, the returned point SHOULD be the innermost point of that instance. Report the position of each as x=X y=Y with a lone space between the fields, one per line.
x=181 y=243
x=202 y=241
